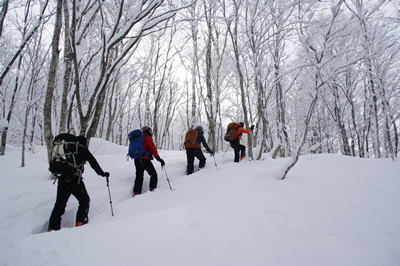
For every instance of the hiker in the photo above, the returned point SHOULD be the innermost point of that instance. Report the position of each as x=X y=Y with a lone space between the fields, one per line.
x=144 y=163
x=72 y=183
x=193 y=140
x=235 y=144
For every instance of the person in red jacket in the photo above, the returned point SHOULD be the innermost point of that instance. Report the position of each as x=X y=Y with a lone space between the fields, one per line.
x=144 y=163
x=235 y=144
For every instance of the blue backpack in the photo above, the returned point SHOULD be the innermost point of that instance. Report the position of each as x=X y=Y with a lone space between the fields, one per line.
x=136 y=148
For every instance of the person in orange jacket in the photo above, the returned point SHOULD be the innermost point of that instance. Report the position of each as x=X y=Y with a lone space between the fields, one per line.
x=144 y=163
x=235 y=144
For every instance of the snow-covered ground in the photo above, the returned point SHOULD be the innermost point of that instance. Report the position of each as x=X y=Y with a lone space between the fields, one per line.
x=330 y=210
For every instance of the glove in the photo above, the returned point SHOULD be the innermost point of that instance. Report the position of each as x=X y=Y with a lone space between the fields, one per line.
x=212 y=152
x=106 y=174
x=161 y=161
x=252 y=127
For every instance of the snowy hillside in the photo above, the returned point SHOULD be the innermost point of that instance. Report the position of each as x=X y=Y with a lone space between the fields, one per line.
x=330 y=210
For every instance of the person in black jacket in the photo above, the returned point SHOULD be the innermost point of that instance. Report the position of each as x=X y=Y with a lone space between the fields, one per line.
x=196 y=152
x=73 y=184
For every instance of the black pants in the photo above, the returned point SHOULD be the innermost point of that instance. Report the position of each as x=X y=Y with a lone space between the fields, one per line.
x=141 y=165
x=190 y=155
x=66 y=187
x=240 y=150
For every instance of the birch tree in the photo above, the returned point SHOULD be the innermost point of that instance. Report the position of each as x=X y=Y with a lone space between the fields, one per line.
x=48 y=134
x=194 y=63
x=67 y=69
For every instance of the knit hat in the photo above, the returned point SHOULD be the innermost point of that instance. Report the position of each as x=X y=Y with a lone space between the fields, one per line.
x=241 y=124
x=199 y=129
x=145 y=128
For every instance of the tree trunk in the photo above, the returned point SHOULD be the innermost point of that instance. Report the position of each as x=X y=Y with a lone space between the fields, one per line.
x=195 y=31
x=3 y=13
x=281 y=123
x=209 y=102
x=234 y=37
x=48 y=134
x=340 y=124
x=68 y=70
x=24 y=135
x=374 y=109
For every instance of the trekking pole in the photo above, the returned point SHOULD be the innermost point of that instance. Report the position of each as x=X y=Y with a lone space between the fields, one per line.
x=109 y=193
x=215 y=162
x=165 y=171
x=226 y=150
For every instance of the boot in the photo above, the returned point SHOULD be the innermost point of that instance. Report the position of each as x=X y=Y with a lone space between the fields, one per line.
x=82 y=223
x=79 y=224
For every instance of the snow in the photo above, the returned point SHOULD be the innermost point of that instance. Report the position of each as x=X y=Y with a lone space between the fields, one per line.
x=3 y=123
x=330 y=210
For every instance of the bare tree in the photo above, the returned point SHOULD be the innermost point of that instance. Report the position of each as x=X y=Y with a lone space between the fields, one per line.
x=336 y=113
x=3 y=13
x=232 y=23
x=315 y=52
x=26 y=36
x=37 y=58
x=48 y=134
x=257 y=26
x=129 y=26
x=67 y=70
x=213 y=67
x=363 y=16
x=150 y=20
x=25 y=39
x=194 y=27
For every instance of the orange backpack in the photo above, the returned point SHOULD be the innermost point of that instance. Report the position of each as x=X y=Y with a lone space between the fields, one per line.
x=191 y=139
x=231 y=132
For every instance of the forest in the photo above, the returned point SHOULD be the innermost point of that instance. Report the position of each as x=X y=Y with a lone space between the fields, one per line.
x=312 y=76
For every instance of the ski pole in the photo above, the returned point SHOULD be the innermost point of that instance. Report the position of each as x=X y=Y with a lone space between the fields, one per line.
x=215 y=162
x=109 y=193
x=165 y=171
x=226 y=150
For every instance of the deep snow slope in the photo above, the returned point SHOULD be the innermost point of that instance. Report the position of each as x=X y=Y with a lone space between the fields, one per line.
x=330 y=210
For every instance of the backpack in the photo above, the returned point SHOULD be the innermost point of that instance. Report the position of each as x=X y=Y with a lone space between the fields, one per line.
x=136 y=148
x=231 y=132
x=63 y=162
x=191 y=139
